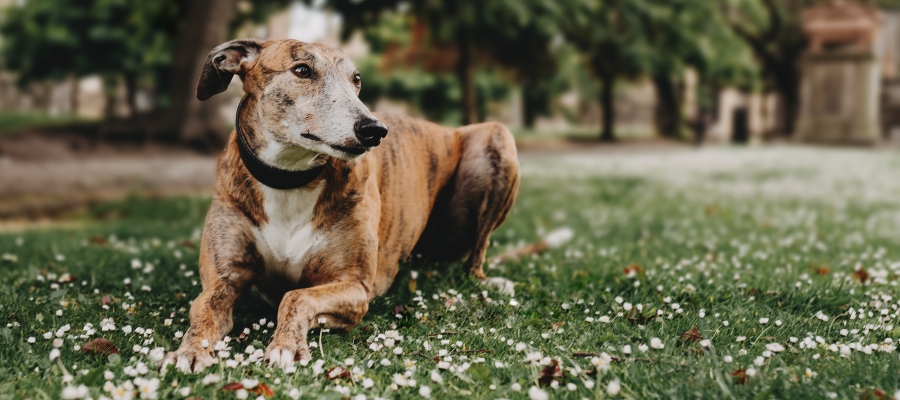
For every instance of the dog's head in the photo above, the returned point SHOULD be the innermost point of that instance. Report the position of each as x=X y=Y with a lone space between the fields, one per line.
x=306 y=94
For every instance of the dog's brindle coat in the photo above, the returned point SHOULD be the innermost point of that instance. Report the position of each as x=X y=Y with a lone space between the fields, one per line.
x=326 y=249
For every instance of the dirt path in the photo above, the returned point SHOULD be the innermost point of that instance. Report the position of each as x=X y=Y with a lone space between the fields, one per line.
x=49 y=189
x=44 y=179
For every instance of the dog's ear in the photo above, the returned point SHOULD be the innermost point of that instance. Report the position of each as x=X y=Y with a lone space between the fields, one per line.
x=223 y=62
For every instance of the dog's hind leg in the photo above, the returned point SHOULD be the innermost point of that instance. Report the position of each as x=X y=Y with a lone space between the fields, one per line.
x=487 y=181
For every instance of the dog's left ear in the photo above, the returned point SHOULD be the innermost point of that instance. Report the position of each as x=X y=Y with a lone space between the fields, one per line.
x=223 y=62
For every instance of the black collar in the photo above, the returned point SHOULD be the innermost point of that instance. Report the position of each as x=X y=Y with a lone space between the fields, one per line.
x=266 y=174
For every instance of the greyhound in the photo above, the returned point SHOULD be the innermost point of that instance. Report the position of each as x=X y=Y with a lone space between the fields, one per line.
x=316 y=203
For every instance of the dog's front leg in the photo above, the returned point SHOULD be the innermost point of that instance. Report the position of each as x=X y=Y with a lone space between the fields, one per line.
x=228 y=265
x=341 y=305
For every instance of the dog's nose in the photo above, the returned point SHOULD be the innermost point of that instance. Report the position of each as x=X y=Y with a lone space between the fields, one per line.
x=370 y=131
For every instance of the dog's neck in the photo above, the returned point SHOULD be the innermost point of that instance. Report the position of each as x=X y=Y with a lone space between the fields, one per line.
x=269 y=162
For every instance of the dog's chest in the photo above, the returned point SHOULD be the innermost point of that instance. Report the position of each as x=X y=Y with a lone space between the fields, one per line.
x=288 y=238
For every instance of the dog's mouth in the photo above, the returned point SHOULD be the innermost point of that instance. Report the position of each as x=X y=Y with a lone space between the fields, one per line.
x=312 y=137
x=349 y=149
x=354 y=150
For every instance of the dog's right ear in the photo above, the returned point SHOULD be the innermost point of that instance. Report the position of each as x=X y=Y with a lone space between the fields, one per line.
x=223 y=62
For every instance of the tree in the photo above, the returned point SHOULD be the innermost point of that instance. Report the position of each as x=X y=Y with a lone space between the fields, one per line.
x=612 y=36
x=47 y=40
x=658 y=39
x=690 y=34
x=772 y=29
x=512 y=33
x=160 y=45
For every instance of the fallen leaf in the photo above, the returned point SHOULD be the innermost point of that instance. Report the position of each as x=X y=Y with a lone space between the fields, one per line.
x=232 y=386
x=550 y=372
x=739 y=376
x=99 y=346
x=557 y=325
x=634 y=271
x=398 y=309
x=823 y=270
x=692 y=335
x=337 y=372
x=861 y=275
x=875 y=394
x=98 y=240
x=412 y=285
x=263 y=390
x=104 y=301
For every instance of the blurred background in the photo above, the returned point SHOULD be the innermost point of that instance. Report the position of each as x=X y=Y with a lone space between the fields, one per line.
x=97 y=96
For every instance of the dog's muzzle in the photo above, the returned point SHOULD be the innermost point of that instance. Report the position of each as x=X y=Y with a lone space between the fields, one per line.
x=370 y=131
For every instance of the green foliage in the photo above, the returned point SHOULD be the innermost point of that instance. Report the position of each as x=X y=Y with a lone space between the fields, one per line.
x=11 y=121
x=55 y=39
x=635 y=38
x=434 y=94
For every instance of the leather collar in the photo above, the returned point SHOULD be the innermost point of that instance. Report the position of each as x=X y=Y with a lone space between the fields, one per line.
x=266 y=174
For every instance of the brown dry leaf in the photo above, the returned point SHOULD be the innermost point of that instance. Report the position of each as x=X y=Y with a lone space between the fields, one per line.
x=99 y=346
x=875 y=394
x=823 y=270
x=861 y=275
x=98 y=240
x=550 y=372
x=557 y=325
x=634 y=271
x=263 y=390
x=412 y=285
x=232 y=386
x=337 y=372
x=739 y=376
x=692 y=335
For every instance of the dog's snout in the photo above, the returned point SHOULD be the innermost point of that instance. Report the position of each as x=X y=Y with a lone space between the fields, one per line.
x=370 y=131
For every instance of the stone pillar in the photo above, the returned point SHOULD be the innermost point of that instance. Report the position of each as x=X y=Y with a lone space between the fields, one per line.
x=840 y=98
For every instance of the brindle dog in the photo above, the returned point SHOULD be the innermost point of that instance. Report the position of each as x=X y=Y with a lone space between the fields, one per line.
x=317 y=218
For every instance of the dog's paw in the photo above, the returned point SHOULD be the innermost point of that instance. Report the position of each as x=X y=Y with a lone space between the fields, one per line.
x=502 y=285
x=283 y=356
x=189 y=360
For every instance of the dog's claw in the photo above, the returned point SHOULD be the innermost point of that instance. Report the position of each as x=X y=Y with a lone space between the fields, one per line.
x=283 y=357
x=188 y=361
x=280 y=357
x=502 y=285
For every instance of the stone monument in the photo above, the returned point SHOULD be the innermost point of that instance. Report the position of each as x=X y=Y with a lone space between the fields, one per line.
x=840 y=75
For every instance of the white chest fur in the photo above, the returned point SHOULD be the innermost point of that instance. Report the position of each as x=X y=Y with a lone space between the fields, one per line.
x=287 y=238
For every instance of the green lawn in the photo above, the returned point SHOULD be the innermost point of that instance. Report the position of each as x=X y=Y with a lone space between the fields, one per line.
x=756 y=248
x=11 y=121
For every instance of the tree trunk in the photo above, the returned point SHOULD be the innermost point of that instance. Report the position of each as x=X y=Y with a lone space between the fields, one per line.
x=465 y=74
x=531 y=97
x=109 y=93
x=668 y=116
x=131 y=93
x=73 y=96
x=789 y=90
x=206 y=26
x=607 y=104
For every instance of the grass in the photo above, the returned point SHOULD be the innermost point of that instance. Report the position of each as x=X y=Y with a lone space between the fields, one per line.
x=723 y=238
x=11 y=121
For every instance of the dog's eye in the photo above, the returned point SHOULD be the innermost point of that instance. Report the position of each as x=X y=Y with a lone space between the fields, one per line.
x=302 y=71
x=357 y=78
